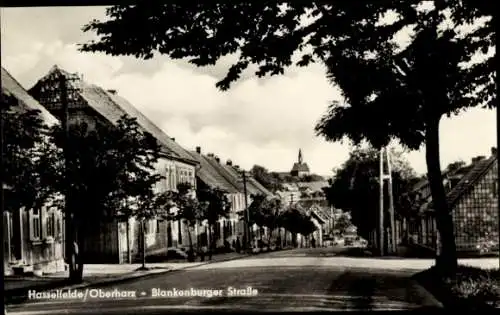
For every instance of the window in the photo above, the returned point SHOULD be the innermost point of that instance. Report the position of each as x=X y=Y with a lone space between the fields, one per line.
x=495 y=187
x=49 y=224
x=150 y=227
x=34 y=225
x=158 y=222
x=58 y=224
x=167 y=179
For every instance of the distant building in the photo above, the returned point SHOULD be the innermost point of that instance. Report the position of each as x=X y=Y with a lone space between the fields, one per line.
x=299 y=168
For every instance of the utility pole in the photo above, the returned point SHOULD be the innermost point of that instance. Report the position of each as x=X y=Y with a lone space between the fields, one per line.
x=69 y=224
x=4 y=259
x=390 y=245
x=55 y=94
x=247 y=213
x=391 y=203
x=381 y=205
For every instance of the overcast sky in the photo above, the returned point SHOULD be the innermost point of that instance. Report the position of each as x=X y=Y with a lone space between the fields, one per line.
x=258 y=121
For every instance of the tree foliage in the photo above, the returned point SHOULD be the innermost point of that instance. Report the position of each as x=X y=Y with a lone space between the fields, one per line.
x=31 y=161
x=404 y=91
x=295 y=220
x=267 y=179
x=215 y=203
x=189 y=208
x=111 y=170
x=355 y=188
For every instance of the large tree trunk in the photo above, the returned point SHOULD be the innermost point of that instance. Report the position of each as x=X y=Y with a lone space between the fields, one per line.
x=446 y=261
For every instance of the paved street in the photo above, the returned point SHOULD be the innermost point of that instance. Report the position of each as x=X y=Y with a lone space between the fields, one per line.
x=283 y=281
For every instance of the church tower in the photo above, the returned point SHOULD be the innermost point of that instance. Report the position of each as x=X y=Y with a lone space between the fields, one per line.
x=300 y=168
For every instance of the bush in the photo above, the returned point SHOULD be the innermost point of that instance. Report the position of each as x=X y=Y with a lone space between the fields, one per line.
x=476 y=285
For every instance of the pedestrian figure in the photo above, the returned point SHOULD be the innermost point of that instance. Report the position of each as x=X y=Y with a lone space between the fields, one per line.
x=202 y=253
x=238 y=245
x=313 y=243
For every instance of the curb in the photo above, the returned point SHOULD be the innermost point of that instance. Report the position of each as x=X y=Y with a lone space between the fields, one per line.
x=429 y=299
x=18 y=296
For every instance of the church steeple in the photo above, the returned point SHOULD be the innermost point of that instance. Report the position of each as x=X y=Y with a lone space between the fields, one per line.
x=299 y=168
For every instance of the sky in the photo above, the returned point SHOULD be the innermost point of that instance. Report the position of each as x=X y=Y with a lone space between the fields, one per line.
x=258 y=121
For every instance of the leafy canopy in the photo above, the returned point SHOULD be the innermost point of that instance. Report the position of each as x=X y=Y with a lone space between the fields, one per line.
x=355 y=187
x=402 y=85
x=215 y=204
x=112 y=168
x=31 y=161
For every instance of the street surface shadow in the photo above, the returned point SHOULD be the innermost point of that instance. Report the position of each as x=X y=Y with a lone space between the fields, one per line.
x=362 y=290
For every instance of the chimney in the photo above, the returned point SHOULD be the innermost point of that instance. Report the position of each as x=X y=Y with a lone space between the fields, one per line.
x=229 y=162
x=493 y=151
x=210 y=155
x=217 y=159
x=198 y=150
x=237 y=167
x=173 y=139
x=112 y=92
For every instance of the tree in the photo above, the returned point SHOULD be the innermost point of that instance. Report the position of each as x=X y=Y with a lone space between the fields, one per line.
x=264 y=212
x=189 y=210
x=427 y=76
x=295 y=220
x=111 y=172
x=262 y=175
x=215 y=205
x=30 y=159
x=272 y=216
x=355 y=187
x=342 y=223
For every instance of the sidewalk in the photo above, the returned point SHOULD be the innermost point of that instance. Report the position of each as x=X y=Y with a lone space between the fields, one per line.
x=98 y=274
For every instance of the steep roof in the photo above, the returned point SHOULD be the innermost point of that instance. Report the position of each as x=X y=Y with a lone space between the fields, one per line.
x=314 y=186
x=469 y=175
x=10 y=86
x=211 y=176
x=300 y=167
x=478 y=170
x=253 y=186
x=112 y=107
x=260 y=187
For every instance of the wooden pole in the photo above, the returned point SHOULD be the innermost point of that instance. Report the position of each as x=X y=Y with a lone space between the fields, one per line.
x=247 y=214
x=381 y=204
x=391 y=203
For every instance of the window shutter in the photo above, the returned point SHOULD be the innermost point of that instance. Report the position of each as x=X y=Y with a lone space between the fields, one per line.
x=31 y=219
x=7 y=224
x=43 y=218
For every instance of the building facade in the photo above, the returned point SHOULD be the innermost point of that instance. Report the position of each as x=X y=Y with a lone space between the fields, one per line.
x=227 y=229
x=33 y=238
x=117 y=241
x=472 y=195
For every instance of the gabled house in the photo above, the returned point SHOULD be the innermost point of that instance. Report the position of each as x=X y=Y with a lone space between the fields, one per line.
x=209 y=177
x=33 y=238
x=472 y=195
x=118 y=242
x=233 y=174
